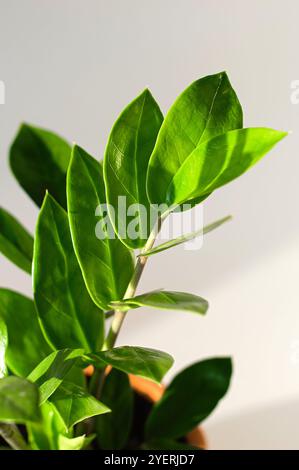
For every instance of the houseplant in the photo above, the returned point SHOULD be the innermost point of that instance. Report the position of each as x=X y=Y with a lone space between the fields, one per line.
x=84 y=275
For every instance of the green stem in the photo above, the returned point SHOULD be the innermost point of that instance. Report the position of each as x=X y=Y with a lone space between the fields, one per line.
x=11 y=434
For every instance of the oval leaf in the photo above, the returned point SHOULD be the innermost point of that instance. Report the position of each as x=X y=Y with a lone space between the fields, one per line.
x=165 y=300
x=130 y=145
x=186 y=238
x=39 y=161
x=50 y=373
x=67 y=313
x=219 y=161
x=106 y=264
x=19 y=400
x=15 y=242
x=208 y=107
x=74 y=404
x=113 y=428
x=197 y=390
x=24 y=333
x=144 y=362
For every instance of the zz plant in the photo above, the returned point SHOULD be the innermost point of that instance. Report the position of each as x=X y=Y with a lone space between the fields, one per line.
x=85 y=276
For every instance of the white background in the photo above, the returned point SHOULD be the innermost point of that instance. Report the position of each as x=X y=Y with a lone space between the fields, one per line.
x=72 y=65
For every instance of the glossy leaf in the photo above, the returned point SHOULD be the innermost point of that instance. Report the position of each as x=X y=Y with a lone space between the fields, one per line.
x=165 y=300
x=197 y=390
x=26 y=343
x=74 y=404
x=19 y=400
x=208 y=107
x=73 y=443
x=45 y=435
x=39 y=161
x=220 y=160
x=15 y=242
x=130 y=145
x=3 y=346
x=113 y=428
x=185 y=238
x=68 y=315
x=144 y=362
x=51 y=372
x=106 y=264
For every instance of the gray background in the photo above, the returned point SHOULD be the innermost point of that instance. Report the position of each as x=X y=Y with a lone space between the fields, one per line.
x=71 y=66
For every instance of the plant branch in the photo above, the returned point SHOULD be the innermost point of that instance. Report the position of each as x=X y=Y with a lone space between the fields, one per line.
x=11 y=434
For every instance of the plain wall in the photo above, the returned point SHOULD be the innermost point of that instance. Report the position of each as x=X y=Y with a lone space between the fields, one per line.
x=72 y=65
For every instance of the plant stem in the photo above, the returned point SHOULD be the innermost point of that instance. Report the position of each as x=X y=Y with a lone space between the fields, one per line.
x=119 y=316
x=11 y=434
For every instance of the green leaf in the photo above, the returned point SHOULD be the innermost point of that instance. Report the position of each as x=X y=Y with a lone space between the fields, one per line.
x=165 y=300
x=39 y=161
x=26 y=343
x=19 y=400
x=185 y=238
x=130 y=145
x=190 y=398
x=106 y=264
x=3 y=346
x=144 y=362
x=46 y=434
x=15 y=242
x=74 y=404
x=220 y=160
x=50 y=373
x=113 y=428
x=73 y=443
x=208 y=107
x=68 y=315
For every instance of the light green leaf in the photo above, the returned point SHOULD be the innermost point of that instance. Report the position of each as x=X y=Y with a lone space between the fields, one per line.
x=106 y=264
x=165 y=300
x=144 y=362
x=50 y=373
x=74 y=404
x=19 y=400
x=113 y=428
x=185 y=238
x=26 y=343
x=39 y=160
x=46 y=434
x=208 y=107
x=3 y=346
x=15 y=242
x=220 y=160
x=197 y=390
x=68 y=315
x=73 y=443
x=130 y=145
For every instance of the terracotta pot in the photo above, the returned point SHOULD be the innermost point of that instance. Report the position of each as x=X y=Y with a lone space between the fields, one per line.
x=153 y=392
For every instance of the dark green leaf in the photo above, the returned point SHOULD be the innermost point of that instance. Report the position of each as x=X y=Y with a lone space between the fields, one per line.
x=144 y=362
x=106 y=264
x=208 y=107
x=39 y=160
x=220 y=160
x=15 y=242
x=190 y=398
x=3 y=346
x=185 y=238
x=167 y=444
x=67 y=313
x=74 y=404
x=130 y=145
x=51 y=372
x=18 y=400
x=113 y=428
x=26 y=343
x=165 y=300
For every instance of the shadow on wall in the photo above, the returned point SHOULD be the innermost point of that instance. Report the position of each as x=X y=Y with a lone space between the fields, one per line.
x=270 y=428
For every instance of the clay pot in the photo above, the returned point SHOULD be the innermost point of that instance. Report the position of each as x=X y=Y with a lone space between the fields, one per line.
x=153 y=392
